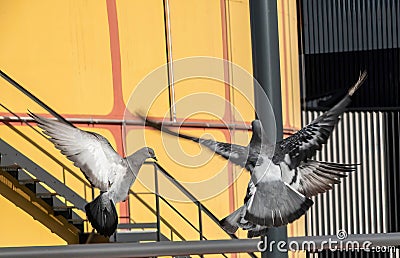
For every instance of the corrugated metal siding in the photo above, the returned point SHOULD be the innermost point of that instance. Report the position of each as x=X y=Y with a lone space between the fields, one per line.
x=338 y=39
x=367 y=201
x=349 y=25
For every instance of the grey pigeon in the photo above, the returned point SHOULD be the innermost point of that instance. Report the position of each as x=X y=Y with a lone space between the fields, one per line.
x=283 y=177
x=102 y=166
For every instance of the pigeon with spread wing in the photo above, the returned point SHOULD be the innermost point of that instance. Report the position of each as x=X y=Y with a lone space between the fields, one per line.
x=283 y=176
x=102 y=166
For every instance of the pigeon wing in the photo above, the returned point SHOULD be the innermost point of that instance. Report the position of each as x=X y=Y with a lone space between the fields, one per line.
x=313 y=177
x=91 y=152
x=235 y=153
x=303 y=144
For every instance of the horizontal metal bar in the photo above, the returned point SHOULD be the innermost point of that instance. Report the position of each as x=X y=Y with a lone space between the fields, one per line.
x=164 y=248
x=102 y=121
x=137 y=225
x=77 y=120
x=168 y=248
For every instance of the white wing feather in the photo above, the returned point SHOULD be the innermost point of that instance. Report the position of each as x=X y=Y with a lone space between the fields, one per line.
x=91 y=152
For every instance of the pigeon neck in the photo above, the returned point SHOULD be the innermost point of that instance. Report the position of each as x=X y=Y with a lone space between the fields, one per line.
x=138 y=158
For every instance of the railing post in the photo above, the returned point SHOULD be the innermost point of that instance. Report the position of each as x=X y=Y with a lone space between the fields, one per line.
x=200 y=221
x=157 y=203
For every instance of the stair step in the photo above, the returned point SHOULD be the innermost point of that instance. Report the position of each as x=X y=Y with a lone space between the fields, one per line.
x=13 y=173
x=9 y=168
x=28 y=181
x=40 y=189
x=79 y=226
x=137 y=225
x=45 y=195
x=18 y=173
x=66 y=213
x=135 y=236
x=48 y=200
x=31 y=186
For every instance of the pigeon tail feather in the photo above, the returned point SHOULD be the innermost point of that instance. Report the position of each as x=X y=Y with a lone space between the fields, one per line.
x=231 y=223
x=102 y=215
x=275 y=203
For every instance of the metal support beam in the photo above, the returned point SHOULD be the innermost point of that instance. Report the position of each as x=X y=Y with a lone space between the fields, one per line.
x=266 y=65
x=167 y=248
x=266 y=69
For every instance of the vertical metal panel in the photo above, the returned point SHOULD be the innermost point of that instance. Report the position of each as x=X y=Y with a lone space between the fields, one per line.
x=340 y=37
x=350 y=25
x=359 y=204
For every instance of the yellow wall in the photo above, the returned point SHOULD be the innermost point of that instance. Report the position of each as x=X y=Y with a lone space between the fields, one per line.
x=90 y=59
x=20 y=229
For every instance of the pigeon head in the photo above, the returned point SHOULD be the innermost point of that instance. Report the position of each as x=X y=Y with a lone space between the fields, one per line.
x=140 y=156
x=151 y=153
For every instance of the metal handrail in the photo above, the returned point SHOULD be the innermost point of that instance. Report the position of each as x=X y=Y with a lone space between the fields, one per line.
x=311 y=244
x=33 y=97
x=192 y=197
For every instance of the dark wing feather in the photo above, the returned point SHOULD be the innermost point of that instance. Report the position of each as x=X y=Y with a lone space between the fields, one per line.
x=304 y=143
x=235 y=153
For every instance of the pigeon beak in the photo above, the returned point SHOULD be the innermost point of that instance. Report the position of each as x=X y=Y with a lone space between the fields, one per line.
x=155 y=158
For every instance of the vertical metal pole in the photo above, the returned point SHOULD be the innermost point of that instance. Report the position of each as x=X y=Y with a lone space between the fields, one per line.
x=170 y=66
x=157 y=203
x=266 y=70
x=200 y=221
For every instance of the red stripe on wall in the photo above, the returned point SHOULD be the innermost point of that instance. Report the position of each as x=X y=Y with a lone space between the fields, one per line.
x=119 y=106
x=228 y=111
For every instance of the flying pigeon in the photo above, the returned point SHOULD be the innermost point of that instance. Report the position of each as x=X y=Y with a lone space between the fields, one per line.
x=283 y=177
x=103 y=167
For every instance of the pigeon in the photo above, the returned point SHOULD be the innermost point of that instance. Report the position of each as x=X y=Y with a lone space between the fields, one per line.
x=283 y=175
x=102 y=166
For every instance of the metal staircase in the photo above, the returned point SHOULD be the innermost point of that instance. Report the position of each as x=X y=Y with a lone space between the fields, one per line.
x=60 y=202
x=44 y=191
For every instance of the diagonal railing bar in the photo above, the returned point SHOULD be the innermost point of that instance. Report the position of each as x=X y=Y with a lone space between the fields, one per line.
x=154 y=212
x=33 y=97
x=180 y=214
